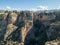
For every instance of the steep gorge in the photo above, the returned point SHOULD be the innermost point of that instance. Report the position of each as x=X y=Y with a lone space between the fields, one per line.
x=28 y=27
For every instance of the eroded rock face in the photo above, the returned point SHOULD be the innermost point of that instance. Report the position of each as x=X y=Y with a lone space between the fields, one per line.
x=6 y=24
x=28 y=25
x=54 y=31
x=12 y=22
x=53 y=42
x=9 y=30
x=3 y=24
x=12 y=18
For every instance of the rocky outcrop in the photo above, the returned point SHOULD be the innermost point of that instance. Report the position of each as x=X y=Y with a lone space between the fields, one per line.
x=12 y=22
x=53 y=42
x=28 y=27
x=9 y=30
x=54 y=31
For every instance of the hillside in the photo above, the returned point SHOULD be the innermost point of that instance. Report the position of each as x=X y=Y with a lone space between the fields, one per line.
x=29 y=27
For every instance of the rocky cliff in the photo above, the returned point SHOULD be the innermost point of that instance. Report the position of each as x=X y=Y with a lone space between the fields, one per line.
x=28 y=27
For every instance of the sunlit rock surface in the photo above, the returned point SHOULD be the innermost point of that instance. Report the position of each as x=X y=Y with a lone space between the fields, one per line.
x=9 y=30
x=53 y=42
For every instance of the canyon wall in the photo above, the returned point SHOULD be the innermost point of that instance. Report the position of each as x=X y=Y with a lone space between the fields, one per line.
x=28 y=27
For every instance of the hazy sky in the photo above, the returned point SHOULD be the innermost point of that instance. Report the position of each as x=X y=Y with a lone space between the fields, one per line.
x=32 y=4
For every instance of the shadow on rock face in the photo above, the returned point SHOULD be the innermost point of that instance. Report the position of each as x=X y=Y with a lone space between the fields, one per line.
x=36 y=35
